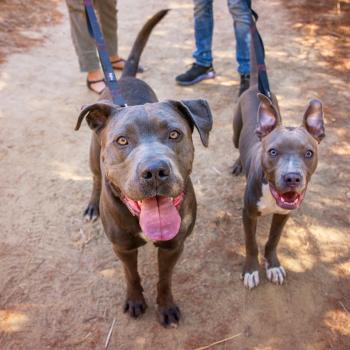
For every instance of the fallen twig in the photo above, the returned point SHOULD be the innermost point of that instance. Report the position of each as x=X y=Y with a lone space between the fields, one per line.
x=87 y=335
x=216 y=170
x=218 y=342
x=335 y=34
x=109 y=334
x=343 y=306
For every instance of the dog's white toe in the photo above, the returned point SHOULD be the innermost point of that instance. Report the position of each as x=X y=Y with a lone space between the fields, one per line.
x=276 y=275
x=251 y=280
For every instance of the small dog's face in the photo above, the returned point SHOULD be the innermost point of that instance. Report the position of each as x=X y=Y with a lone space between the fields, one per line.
x=289 y=155
x=147 y=154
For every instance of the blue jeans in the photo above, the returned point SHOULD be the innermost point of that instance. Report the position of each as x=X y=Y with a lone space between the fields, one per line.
x=204 y=24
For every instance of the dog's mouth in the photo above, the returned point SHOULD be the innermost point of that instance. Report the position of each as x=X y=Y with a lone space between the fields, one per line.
x=287 y=200
x=159 y=216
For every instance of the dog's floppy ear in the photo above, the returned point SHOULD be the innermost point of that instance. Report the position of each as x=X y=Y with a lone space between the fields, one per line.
x=268 y=117
x=96 y=115
x=198 y=114
x=313 y=120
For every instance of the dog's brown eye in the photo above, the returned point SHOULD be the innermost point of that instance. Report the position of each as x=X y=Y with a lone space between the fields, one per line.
x=174 y=135
x=309 y=154
x=273 y=152
x=122 y=141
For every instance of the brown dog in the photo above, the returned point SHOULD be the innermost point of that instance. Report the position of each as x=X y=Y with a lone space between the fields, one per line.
x=141 y=158
x=278 y=162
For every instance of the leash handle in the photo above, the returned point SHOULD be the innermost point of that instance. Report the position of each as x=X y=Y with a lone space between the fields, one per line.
x=263 y=81
x=95 y=32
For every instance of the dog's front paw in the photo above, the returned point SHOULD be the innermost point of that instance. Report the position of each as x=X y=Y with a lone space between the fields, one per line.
x=135 y=307
x=92 y=212
x=169 y=316
x=275 y=274
x=250 y=279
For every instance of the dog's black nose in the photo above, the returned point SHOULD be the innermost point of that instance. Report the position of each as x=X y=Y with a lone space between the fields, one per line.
x=292 y=179
x=157 y=170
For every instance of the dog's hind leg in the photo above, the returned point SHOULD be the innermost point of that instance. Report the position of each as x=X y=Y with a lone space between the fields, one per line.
x=237 y=127
x=92 y=211
x=237 y=167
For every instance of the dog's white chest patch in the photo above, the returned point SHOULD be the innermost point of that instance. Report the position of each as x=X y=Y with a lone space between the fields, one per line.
x=267 y=204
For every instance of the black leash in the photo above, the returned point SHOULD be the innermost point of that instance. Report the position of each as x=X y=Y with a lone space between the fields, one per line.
x=263 y=81
x=95 y=32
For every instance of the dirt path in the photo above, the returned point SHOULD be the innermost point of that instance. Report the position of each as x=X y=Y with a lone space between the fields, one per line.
x=61 y=285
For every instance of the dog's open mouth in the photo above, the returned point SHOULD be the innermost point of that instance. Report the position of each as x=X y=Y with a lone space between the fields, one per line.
x=159 y=216
x=287 y=200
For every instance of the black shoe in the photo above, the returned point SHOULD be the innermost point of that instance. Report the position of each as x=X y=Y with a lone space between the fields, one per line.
x=195 y=74
x=244 y=83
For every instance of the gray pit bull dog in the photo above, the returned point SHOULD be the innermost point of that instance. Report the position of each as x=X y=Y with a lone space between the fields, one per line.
x=278 y=162
x=141 y=159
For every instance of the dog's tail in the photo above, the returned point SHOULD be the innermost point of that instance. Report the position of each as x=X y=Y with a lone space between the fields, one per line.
x=132 y=63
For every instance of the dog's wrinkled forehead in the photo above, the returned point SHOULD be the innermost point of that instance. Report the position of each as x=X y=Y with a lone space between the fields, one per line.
x=146 y=120
x=290 y=139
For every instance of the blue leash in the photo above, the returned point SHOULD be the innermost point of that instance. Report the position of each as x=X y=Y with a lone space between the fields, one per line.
x=263 y=81
x=95 y=32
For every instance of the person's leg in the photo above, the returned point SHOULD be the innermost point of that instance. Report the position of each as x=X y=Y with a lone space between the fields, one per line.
x=107 y=12
x=84 y=45
x=203 y=32
x=240 y=12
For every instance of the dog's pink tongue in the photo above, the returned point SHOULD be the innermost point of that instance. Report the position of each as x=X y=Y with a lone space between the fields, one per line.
x=159 y=219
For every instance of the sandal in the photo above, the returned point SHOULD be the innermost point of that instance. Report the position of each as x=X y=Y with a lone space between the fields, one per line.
x=121 y=65
x=89 y=84
x=118 y=64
